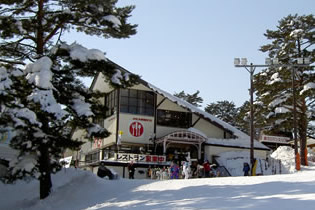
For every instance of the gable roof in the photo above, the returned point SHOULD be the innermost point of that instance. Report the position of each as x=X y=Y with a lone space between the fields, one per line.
x=212 y=119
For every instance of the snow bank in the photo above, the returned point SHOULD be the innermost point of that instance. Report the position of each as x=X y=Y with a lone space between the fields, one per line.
x=281 y=161
x=287 y=157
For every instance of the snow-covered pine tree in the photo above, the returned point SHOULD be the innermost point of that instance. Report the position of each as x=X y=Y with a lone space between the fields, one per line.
x=193 y=99
x=41 y=95
x=294 y=38
x=224 y=110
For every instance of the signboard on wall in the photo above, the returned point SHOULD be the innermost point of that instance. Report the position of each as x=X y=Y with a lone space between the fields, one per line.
x=275 y=139
x=136 y=129
x=142 y=158
x=97 y=143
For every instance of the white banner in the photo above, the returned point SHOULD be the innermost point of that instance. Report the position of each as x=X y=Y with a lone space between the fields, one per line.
x=66 y=161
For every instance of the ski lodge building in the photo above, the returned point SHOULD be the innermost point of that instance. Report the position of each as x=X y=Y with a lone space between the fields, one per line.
x=152 y=128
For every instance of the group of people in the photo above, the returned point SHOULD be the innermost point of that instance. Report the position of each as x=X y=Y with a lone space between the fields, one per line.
x=186 y=171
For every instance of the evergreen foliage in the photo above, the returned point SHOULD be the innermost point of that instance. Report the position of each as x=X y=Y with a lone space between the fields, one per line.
x=43 y=101
x=193 y=99
x=223 y=110
x=293 y=38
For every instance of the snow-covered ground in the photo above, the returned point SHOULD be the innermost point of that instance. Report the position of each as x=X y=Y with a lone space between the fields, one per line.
x=77 y=189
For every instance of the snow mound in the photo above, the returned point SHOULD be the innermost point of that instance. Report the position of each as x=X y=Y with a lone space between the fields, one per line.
x=286 y=155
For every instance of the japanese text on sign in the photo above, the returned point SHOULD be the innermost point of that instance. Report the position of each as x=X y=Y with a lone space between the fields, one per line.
x=139 y=157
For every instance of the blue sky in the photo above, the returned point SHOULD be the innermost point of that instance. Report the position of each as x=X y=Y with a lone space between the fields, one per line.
x=190 y=45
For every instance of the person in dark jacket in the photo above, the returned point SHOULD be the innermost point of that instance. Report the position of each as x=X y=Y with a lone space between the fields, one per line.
x=246 y=169
x=103 y=171
x=131 y=170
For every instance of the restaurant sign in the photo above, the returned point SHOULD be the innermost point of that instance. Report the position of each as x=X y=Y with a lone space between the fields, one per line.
x=141 y=158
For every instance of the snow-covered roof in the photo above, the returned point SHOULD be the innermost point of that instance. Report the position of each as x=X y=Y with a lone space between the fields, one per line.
x=239 y=142
x=194 y=109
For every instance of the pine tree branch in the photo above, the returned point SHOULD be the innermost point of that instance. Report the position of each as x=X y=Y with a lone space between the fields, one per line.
x=53 y=32
x=12 y=62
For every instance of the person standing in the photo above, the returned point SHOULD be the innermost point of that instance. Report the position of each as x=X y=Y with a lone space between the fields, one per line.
x=246 y=169
x=206 y=167
x=186 y=169
x=174 y=171
x=131 y=169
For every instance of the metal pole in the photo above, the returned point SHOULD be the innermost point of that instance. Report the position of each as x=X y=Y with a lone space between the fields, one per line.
x=252 y=69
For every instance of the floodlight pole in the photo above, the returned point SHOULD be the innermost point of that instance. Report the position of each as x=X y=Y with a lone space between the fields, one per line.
x=251 y=70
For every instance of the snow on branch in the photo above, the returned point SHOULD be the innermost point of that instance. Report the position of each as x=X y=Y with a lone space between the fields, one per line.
x=5 y=81
x=39 y=73
x=78 y=52
x=117 y=77
x=114 y=20
x=25 y=114
x=308 y=86
x=48 y=103
x=81 y=107
x=296 y=33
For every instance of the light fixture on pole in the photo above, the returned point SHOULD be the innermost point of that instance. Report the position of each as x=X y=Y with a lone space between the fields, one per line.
x=301 y=62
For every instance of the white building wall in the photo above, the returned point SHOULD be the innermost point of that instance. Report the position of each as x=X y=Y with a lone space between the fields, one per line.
x=216 y=150
x=110 y=124
x=79 y=135
x=102 y=86
x=209 y=129
x=169 y=105
x=164 y=130
x=140 y=87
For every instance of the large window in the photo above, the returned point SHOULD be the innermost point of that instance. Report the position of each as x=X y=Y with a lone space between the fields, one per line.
x=137 y=102
x=174 y=119
x=111 y=103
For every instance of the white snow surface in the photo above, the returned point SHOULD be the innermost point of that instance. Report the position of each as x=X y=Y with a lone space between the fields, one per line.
x=78 y=189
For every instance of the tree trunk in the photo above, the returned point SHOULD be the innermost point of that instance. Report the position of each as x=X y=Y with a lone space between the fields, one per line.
x=303 y=134
x=44 y=169
x=40 y=31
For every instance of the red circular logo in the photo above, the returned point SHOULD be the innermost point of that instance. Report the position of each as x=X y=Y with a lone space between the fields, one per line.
x=136 y=129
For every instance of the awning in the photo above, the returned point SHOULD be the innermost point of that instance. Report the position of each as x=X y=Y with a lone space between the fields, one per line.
x=182 y=137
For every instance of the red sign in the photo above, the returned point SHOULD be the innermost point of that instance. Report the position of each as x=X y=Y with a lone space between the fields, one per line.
x=136 y=129
x=97 y=143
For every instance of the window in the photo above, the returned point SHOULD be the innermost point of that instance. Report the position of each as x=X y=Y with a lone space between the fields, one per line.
x=92 y=158
x=111 y=103
x=174 y=118
x=137 y=102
